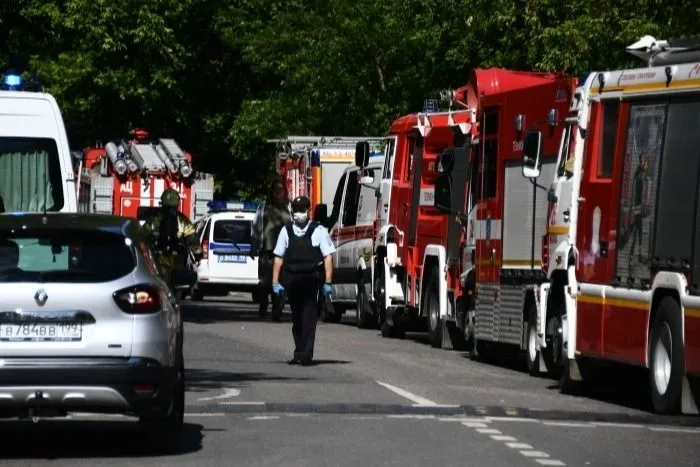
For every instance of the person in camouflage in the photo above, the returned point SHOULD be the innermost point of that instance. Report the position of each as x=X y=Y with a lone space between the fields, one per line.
x=269 y=219
x=172 y=235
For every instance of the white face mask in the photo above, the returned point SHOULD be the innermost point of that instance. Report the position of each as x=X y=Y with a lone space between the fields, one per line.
x=300 y=218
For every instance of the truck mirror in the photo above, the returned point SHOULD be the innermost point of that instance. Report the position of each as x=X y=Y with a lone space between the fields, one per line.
x=321 y=214
x=442 y=199
x=532 y=151
x=362 y=154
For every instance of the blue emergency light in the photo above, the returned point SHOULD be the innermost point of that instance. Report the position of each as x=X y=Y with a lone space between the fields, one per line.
x=430 y=105
x=12 y=82
x=231 y=206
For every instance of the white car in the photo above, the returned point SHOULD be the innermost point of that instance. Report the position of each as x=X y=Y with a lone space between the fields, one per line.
x=225 y=237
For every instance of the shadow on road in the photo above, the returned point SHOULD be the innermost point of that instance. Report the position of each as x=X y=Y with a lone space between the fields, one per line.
x=56 y=439
x=213 y=311
x=199 y=380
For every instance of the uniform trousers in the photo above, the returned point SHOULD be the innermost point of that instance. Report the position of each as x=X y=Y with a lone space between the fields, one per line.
x=302 y=295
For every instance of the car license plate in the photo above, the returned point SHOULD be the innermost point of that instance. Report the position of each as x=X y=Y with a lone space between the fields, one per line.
x=232 y=259
x=41 y=332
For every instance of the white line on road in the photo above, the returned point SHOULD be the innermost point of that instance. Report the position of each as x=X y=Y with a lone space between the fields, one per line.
x=571 y=424
x=674 y=430
x=534 y=454
x=489 y=431
x=418 y=400
x=550 y=462
x=512 y=419
x=213 y=414
x=463 y=419
x=519 y=446
x=503 y=438
x=228 y=393
x=474 y=425
x=264 y=417
x=241 y=403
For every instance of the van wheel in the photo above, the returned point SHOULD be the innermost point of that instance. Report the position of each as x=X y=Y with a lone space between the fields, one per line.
x=532 y=351
x=432 y=310
x=666 y=358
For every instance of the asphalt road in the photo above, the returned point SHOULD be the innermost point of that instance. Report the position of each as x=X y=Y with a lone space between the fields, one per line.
x=367 y=401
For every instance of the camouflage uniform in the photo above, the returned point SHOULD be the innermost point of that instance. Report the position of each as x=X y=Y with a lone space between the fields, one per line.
x=269 y=220
x=187 y=240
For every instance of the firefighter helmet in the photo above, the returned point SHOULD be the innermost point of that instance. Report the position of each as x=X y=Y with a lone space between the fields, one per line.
x=170 y=198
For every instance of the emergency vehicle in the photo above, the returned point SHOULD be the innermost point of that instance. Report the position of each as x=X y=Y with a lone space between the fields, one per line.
x=312 y=165
x=457 y=245
x=36 y=169
x=622 y=247
x=127 y=178
x=351 y=225
x=225 y=236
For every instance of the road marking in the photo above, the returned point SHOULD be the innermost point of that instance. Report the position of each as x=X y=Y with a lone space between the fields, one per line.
x=418 y=400
x=241 y=403
x=213 y=414
x=474 y=425
x=418 y=417
x=534 y=454
x=674 y=430
x=228 y=393
x=571 y=424
x=512 y=419
x=519 y=446
x=489 y=431
x=463 y=419
x=264 y=417
x=503 y=438
x=550 y=462
x=618 y=425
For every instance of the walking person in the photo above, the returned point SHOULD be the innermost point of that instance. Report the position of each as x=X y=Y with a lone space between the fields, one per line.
x=271 y=216
x=303 y=250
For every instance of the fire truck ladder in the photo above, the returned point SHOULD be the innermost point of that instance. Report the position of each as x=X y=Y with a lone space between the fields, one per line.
x=666 y=52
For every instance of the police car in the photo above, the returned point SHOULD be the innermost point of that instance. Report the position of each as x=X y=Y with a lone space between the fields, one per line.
x=225 y=236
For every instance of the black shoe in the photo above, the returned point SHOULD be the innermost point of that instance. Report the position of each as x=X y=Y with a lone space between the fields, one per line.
x=294 y=361
x=307 y=362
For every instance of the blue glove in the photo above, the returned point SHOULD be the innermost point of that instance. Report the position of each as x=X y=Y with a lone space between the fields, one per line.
x=326 y=289
x=277 y=289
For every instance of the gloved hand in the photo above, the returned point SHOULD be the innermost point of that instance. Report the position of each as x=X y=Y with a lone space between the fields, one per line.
x=326 y=290
x=277 y=289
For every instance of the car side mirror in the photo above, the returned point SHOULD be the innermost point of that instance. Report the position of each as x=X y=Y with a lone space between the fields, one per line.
x=362 y=154
x=532 y=152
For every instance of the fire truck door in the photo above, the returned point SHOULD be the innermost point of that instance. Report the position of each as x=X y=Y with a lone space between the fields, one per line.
x=384 y=200
x=489 y=248
x=460 y=178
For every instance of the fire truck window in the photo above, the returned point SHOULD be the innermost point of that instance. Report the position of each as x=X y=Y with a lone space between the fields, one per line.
x=30 y=175
x=337 y=199
x=490 y=166
x=491 y=122
x=388 y=153
x=351 y=198
x=475 y=180
x=607 y=150
x=639 y=182
x=411 y=155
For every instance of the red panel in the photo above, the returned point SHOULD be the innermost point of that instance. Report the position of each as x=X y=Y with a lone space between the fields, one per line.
x=625 y=332
x=692 y=342
x=589 y=328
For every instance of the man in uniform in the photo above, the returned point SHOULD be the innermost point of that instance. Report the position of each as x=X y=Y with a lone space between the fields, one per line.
x=172 y=235
x=269 y=219
x=304 y=248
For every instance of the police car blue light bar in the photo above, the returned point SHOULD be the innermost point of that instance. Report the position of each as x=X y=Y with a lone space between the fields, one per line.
x=12 y=82
x=223 y=206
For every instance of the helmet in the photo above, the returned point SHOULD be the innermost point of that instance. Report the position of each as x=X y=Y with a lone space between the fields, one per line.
x=170 y=198
x=301 y=204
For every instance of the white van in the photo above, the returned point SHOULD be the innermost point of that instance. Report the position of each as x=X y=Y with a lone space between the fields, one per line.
x=225 y=236
x=36 y=169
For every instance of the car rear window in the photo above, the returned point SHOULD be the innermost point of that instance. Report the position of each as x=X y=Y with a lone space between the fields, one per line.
x=232 y=231
x=64 y=256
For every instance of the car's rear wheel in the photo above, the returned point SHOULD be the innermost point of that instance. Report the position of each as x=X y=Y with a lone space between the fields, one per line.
x=165 y=433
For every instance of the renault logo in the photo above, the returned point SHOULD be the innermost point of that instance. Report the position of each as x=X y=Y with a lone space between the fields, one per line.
x=40 y=296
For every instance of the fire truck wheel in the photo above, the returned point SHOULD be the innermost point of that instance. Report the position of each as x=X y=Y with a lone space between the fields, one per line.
x=363 y=309
x=532 y=354
x=432 y=310
x=396 y=331
x=666 y=358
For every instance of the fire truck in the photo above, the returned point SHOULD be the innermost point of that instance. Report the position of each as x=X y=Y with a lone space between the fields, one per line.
x=127 y=178
x=313 y=165
x=621 y=248
x=460 y=227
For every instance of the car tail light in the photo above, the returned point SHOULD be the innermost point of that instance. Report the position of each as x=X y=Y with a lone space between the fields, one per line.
x=205 y=248
x=138 y=299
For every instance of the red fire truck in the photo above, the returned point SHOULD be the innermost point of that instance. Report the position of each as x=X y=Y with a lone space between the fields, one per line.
x=458 y=218
x=126 y=178
x=313 y=165
x=621 y=249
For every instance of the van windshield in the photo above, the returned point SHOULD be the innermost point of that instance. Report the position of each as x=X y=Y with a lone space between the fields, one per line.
x=30 y=175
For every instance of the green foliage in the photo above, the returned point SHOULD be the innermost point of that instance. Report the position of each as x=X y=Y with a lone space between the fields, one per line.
x=222 y=77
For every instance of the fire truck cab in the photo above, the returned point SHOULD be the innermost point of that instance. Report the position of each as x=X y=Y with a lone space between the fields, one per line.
x=622 y=245
x=458 y=241
x=126 y=178
x=35 y=158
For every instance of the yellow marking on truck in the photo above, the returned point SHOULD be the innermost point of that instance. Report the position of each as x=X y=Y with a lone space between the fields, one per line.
x=647 y=87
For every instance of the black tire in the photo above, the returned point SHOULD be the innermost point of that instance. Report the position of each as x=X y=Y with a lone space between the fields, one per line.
x=364 y=313
x=666 y=344
x=395 y=331
x=165 y=433
x=196 y=294
x=532 y=353
x=432 y=310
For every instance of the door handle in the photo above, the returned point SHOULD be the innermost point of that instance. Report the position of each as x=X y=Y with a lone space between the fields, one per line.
x=492 y=255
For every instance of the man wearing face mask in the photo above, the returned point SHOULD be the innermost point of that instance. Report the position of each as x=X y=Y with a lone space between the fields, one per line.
x=303 y=250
